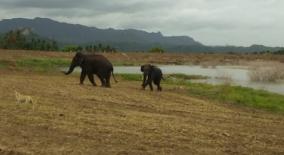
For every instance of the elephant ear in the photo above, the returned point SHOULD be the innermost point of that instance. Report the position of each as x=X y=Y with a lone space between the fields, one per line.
x=142 y=68
x=151 y=68
x=81 y=60
x=79 y=54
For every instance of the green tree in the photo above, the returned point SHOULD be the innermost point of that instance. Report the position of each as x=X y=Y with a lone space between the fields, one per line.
x=54 y=46
x=157 y=50
x=100 y=47
x=13 y=40
x=19 y=39
x=95 y=48
x=107 y=48
x=79 y=48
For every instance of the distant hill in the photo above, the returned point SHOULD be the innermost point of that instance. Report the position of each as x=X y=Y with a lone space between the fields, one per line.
x=126 y=40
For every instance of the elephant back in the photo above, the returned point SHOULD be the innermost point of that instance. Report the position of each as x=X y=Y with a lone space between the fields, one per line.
x=99 y=61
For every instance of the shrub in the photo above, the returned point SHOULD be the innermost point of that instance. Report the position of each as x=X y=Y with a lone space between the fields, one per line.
x=71 y=48
x=157 y=50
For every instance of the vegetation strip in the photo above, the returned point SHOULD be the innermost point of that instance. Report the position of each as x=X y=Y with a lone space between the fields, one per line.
x=224 y=93
x=220 y=93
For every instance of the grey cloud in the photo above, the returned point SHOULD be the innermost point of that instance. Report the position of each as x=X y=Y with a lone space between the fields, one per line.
x=45 y=3
x=239 y=22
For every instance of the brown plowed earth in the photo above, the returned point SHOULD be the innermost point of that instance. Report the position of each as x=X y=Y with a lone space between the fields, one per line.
x=69 y=118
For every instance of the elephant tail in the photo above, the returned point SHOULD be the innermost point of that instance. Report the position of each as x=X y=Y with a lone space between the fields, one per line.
x=162 y=77
x=113 y=77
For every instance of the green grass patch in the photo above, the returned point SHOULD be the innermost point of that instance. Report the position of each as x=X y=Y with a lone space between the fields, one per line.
x=42 y=64
x=131 y=77
x=4 y=63
x=225 y=93
x=238 y=95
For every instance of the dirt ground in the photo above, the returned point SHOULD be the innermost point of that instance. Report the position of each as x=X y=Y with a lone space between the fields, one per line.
x=69 y=118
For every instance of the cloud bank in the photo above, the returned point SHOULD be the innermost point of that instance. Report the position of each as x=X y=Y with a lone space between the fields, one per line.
x=212 y=22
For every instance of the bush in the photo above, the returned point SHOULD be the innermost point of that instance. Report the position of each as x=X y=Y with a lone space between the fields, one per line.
x=281 y=52
x=157 y=50
x=71 y=48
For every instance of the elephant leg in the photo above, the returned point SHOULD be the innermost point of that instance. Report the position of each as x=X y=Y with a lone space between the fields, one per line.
x=151 y=85
x=91 y=78
x=150 y=81
x=144 y=81
x=108 y=80
x=147 y=81
x=103 y=83
x=159 y=87
x=157 y=82
x=82 y=77
x=143 y=86
x=108 y=83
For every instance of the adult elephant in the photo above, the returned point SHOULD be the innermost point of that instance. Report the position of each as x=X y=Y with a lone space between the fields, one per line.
x=90 y=65
x=151 y=74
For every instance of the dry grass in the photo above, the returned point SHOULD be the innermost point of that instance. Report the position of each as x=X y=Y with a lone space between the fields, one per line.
x=74 y=119
x=140 y=58
x=81 y=119
x=268 y=71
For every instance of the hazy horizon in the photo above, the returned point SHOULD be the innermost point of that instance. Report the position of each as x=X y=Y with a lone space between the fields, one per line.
x=220 y=22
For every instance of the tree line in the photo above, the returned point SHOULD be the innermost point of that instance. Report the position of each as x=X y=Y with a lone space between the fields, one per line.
x=90 y=48
x=24 y=39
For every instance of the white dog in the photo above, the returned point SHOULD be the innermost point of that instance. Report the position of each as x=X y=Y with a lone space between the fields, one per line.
x=24 y=98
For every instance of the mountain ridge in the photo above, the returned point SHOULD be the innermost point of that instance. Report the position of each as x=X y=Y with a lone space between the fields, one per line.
x=78 y=34
x=123 y=39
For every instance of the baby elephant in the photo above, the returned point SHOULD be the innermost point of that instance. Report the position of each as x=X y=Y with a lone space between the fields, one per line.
x=151 y=73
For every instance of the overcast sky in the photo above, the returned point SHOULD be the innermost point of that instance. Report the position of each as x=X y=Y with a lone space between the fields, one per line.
x=211 y=22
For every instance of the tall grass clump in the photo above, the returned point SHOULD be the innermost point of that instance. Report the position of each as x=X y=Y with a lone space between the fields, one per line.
x=266 y=71
x=225 y=77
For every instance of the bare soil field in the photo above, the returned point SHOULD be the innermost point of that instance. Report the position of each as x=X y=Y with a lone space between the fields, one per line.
x=69 y=118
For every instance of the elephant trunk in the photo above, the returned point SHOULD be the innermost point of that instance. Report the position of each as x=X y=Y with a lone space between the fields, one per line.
x=71 y=68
